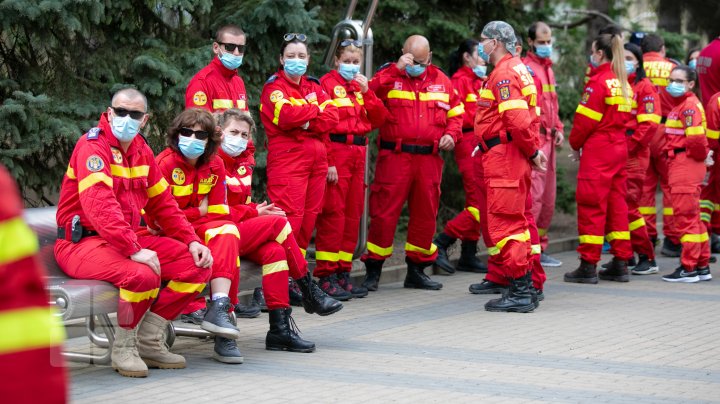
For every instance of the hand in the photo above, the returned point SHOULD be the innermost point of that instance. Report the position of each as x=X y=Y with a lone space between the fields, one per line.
x=265 y=209
x=709 y=162
x=149 y=258
x=559 y=139
x=332 y=175
x=540 y=161
x=201 y=255
x=446 y=143
x=152 y=231
x=362 y=81
x=305 y=126
x=203 y=206
x=475 y=151
x=575 y=155
x=405 y=60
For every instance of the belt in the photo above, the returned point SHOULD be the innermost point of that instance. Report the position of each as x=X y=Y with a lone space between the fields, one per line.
x=406 y=148
x=673 y=152
x=488 y=144
x=62 y=234
x=467 y=130
x=663 y=120
x=630 y=132
x=543 y=131
x=349 y=139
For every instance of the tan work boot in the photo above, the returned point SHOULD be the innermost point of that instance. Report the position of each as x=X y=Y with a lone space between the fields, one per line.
x=152 y=345
x=125 y=357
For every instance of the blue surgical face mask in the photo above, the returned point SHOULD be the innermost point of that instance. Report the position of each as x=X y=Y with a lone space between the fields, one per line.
x=544 y=51
x=630 y=67
x=415 y=70
x=125 y=128
x=233 y=145
x=295 y=67
x=348 y=70
x=480 y=71
x=190 y=147
x=481 y=52
x=692 y=64
x=593 y=62
x=676 y=89
x=230 y=61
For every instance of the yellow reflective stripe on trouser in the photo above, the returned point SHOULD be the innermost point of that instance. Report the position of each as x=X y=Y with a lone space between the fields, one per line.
x=494 y=250
x=326 y=256
x=617 y=235
x=274 y=267
x=535 y=249
x=219 y=209
x=668 y=211
x=29 y=328
x=636 y=224
x=647 y=210
x=542 y=232
x=375 y=249
x=345 y=256
x=135 y=297
x=694 y=238
x=93 y=179
x=475 y=212
x=17 y=241
x=590 y=239
x=224 y=229
x=284 y=233
x=707 y=204
x=705 y=217
x=424 y=251
x=184 y=287
x=158 y=188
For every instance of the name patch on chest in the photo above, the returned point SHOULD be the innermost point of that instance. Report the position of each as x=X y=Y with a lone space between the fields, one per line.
x=436 y=88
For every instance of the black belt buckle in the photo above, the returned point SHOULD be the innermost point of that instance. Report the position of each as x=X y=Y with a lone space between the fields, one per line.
x=76 y=230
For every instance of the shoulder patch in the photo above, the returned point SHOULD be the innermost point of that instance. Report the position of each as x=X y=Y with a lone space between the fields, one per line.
x=503 y=83
x=313 y=79
x=586 y=96
x=94 y=163
x=689 y=112
x=383 y=67
x=650 y=107
x=505 y=92
x=178 y=176
x=93 y=133
x=648 y=98
x=271 y=79
x=340 y=92
x=199 y=98
x=276 y=96
x=688 y=120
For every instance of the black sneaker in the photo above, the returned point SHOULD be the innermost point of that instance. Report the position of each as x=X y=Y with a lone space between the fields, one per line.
x=646 y=266
x=295 y=293
x=680 y=275
x=704 y=273
x=344 y=281
x=218 y=321
x=329 y=285
x=243 y=311
x=226 y=351
x=196 y=317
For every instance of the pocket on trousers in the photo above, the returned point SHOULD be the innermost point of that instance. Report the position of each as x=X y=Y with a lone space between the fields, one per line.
x=587 y=192
x=504 y=197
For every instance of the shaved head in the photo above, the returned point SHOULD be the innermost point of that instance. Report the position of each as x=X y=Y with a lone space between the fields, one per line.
x=129 y=94
x=419 y=46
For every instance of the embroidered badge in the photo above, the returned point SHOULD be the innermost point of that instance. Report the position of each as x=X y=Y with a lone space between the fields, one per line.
x=340 y=91
x=94 y=163
x=585 y=97
x=93 y=133
x=689 y=120
x=504 y=92
x=398 y=85
x=649 y=107
x=242 y=170
x=276 y=96
x=178 y=176
x=117 y=155
x=199 y=98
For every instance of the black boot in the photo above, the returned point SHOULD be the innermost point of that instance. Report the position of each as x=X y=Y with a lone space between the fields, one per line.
x=670 y=249
x=296 y=297
x=518 y=298
x=585 y=273
x=283 y=335
x=314 y=300
x=443 y=242
x=469 y=262
x=617 y=271
x=258 y=299
x=416 y=278
x=714 y=243
x=487 y=287
x=373 y=269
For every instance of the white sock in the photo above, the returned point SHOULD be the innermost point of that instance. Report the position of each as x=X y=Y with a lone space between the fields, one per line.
x=216 y=296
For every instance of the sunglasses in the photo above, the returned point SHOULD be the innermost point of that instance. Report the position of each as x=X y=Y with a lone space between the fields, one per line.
x=230 y=47
x=122 y=112
x=199 y=134
x=294 y=35
x=348 y=42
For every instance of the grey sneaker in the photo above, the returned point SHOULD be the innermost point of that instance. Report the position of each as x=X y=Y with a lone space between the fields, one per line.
x=217 y=319
x=548 y=261
x=646 y=266
x=226 y=351
x=704 y=273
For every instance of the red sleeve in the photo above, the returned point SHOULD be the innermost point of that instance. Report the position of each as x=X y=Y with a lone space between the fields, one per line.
x=455 y=114
x=648 y=115
x=376 y=111
x=196 y=95
x=384 y=81
x=695 y=141
x=240 y=213
x=328 y=117
x=713 y=123
x=276 y=107
x=515 y=113
x=588 y=114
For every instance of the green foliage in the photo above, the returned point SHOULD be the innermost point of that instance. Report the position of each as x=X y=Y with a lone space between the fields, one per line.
x=675 y=44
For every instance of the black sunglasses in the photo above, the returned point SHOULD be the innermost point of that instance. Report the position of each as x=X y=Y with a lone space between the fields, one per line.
x=122 y=112
x=294 y=35
x=348 y=42
x=199 y=134
x=230 y=47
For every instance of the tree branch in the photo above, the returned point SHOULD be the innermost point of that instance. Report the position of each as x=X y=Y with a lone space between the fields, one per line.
x=589 y=16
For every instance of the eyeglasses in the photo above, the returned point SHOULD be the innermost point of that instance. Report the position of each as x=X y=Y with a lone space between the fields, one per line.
x=122 y=112
x=199 y=134
x=294 y=35
x=677 y=81
x=230 y=47
x=415 y=62
x=353 y=42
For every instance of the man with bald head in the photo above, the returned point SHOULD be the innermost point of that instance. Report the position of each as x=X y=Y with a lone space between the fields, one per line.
x=425 y=117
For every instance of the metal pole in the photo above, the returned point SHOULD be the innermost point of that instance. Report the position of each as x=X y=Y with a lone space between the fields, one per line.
x=350 y=9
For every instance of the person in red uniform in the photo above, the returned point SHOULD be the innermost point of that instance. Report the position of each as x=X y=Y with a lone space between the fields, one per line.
x=297 y=115
x=425 y=117
x=710 y=194
x=658 y=68
x=708 y=70
x=31 y=365
x=359 y=111
x=111 y=177
x=598 y=133
x=467 y=71
x=506 y=127
x=217 y=86
x=687 y=150
x=268 y=239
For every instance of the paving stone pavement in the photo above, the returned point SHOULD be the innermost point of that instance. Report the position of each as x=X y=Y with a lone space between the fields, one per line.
x=646 y=341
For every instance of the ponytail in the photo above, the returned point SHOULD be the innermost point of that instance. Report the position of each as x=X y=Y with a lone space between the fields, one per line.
x=456 y=57
x=612 y=46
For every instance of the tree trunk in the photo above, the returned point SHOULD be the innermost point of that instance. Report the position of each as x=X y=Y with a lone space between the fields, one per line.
x=596 y=24
x=670 y=15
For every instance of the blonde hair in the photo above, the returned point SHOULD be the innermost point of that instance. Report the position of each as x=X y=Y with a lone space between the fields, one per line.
x=612 y=47
x=223 y=119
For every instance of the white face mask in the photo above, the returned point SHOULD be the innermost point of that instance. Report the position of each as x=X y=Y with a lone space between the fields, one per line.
x=233 y=146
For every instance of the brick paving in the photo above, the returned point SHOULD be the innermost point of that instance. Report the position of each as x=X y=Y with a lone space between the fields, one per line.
x=646 y=341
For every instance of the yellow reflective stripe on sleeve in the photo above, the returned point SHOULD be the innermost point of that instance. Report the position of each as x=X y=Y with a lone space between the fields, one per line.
x=487 y=94
x=430 y=251
x=535 y=249
x=273 y=267
x=345 y=256
x=655 y=118
x=17 y=241
x=129 y=172
x=182 y=190
x=232 y=181
x=246 y=180
x=326 y=256
x=475 y=212
x=459 y=110
x=158 y=188
x=694 y=130
x=548 y=88
x=204 y=188
x=713 y=134
x=512 y=104
x=298 y=101
x=222 y=104
x=29 y=328
x=636 y=224
x=694 y=238
x=617 y=235
x=668 y=211
x=527 y=90
x=184 y=287
x=522 y=237
x=325 y=104
x=284 y=233
x=618 y=100
x=219 y=209
x=472 y=97
x=542 y=232
x=237 y=262
x=343 y=102
x=403 y=95
x=70 y=173
x=135 y=297
x=224 y=229
x=589 y=239
x=444 y=97
x=659 y=82
x=673 y=123
x=94 y=178
x=585 y=111
x=647 y=210
x=375 y=249
x=276 y=112
x=304 y=252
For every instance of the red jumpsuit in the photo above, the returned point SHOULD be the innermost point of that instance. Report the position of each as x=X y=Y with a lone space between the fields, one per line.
x=708 y=69
x=686 y=148
x=216 y=87
x=599 y=130
x=710 y=195
x=466 y=225
x=544 y=183
x=421 y=111
x=640 y=129
x=31 y=367
x=339 y=221
x=107 y=188
x=297 y=157
x=658 y=70
x=266 y=240
x=190 y=185
x=506 y=125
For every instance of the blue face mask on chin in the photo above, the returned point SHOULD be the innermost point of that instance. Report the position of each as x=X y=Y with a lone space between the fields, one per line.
x=676 y=89
x=480 y=71
x=125 y=128
x=230 y=61
x=295 y=67
x=415 y=70
x=348 y=70
x=191 y=148
x=544 y=51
